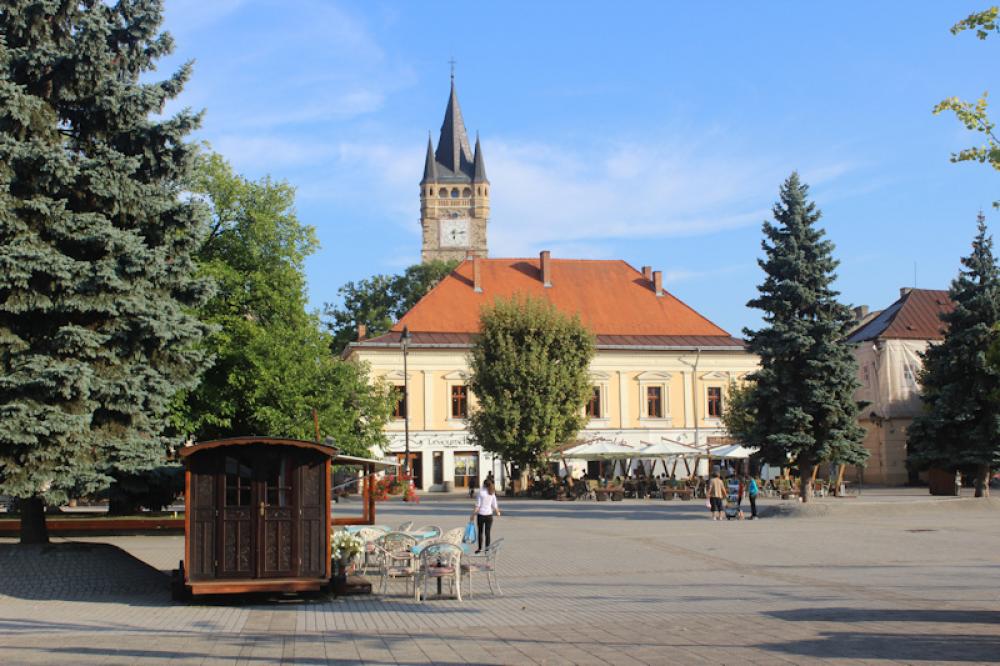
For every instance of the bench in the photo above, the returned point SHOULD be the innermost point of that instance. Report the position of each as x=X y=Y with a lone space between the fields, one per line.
x=680 y=492
x=614 y=494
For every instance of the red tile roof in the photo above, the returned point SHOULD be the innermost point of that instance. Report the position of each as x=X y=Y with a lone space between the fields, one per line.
x=431 y=340
x=915 y=316
x=612 y=298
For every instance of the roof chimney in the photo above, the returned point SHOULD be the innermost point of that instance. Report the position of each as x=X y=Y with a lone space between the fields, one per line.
x=860 y=312
x=362 y=332
x=546 y=265
x=647 y=273
x=477 y=275
x=658 y=283
x=903 y=291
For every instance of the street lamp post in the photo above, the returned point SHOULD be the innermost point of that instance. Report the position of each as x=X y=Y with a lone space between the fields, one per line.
x=404 y=344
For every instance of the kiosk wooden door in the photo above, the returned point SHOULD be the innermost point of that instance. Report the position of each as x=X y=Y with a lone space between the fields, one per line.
x=258 y=516
x=277 y=513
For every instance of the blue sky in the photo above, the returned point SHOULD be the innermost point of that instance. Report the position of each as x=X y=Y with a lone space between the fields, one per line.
x=654 y=132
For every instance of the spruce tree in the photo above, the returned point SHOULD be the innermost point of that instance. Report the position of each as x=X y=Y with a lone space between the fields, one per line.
x=96 y=237
x=960 y=423
x=803 y=393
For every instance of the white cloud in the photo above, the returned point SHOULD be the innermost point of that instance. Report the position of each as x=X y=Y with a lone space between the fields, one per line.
x=575 y=199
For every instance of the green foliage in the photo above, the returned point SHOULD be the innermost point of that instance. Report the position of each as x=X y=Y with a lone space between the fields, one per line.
x=380 y=300
x=803 y=397
x=975 y=115
x=983 y=23
x=960 y=423
x=530 y=373
x=739 y=416
x=97 y=282
x=272 y=361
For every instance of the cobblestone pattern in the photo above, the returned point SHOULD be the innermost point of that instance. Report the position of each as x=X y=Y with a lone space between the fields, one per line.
x=584 y=583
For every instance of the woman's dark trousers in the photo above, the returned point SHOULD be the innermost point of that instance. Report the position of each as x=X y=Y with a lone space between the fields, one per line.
x=484 y=523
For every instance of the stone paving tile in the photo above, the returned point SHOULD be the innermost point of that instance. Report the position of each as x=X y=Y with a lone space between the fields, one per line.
x=630 y=583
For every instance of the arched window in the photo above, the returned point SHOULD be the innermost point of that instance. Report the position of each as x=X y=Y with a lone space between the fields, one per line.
x=430 y=191
x=467 y=192
x=479 y=190
x=454 y=193
x=442 y=193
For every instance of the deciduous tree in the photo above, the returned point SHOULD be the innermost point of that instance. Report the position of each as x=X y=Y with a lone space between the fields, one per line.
x=97 y=283
x=272 y=363
x=530 y=374
x=975 y=115
x=803 y=394
x=378 y=301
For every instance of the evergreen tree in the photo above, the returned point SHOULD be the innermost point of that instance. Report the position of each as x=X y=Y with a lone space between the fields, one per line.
x=530 y=373
x=960 y=423
x=97 y=283
x=272 y=363
x=803 y=396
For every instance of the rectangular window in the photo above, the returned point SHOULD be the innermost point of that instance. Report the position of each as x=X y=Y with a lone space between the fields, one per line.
x=459 y=402
x=654 y=402
x=715 y=402
x=399 y=409
x=594 y=404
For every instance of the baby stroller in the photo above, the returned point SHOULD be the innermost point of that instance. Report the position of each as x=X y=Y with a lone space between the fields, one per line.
x=732 y=508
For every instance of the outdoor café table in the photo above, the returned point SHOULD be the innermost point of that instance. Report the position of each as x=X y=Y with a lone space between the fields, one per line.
x=466 y=548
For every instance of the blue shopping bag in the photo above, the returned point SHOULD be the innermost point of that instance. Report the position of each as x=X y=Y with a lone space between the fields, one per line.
x=470 y=533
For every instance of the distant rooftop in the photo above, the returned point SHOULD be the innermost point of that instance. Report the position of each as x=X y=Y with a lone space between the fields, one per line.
x=915 y=316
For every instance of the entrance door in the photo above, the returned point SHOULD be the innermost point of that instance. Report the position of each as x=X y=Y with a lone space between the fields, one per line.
x=276 y=555
x=236 y=557
x=466 y=469
x=258 y=516
x=416 y=464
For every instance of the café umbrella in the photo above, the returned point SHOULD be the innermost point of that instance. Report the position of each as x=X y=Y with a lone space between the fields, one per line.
x=600 y=450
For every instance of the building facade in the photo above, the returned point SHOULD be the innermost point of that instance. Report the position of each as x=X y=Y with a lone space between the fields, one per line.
x=454 y=192
x=661 y=369
x=888 y=347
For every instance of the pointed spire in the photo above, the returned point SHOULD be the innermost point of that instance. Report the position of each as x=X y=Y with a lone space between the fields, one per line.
x=430 y=168
x=479 y=164
x=453 y=150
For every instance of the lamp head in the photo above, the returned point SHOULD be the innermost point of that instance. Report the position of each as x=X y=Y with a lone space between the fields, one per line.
x=405 y=337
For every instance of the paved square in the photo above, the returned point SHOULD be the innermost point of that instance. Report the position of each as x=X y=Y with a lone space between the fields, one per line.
x=901 y=579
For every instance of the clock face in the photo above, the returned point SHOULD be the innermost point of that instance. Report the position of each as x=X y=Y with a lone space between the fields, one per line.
x=455 y=233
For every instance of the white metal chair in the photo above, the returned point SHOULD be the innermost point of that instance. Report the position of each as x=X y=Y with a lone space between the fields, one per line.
x=439 y=560
x=427 y=531
x=454 y=536
x=370 y=556
x=484 y=562
x=404 y=527
x=396 y=559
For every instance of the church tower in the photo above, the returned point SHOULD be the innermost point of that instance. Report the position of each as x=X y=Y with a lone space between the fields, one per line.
x=454 y=192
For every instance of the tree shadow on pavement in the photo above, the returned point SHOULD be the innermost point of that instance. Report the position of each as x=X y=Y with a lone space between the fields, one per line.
x=936 y=616
x=905 y=647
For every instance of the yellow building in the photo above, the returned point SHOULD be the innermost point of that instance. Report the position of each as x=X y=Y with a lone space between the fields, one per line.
x=661 y=369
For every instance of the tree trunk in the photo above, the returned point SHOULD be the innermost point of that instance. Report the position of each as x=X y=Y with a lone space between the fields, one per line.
x=33 y=527
x=808 y=471
x=982 y=480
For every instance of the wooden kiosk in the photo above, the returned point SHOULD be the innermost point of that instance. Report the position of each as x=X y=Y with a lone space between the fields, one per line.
x=257 y=515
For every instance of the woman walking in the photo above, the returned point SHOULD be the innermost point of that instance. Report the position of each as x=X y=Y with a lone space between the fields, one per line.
x=486 y=507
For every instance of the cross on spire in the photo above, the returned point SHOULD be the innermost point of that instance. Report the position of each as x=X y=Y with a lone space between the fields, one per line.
x=452 y=62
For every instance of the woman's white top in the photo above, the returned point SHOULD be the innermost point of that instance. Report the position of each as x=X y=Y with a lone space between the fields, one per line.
x=486 y=504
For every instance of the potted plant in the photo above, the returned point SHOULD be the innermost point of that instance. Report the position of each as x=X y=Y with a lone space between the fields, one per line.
x=346 y=549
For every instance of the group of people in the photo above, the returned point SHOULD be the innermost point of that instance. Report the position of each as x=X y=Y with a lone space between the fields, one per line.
x=737 y=487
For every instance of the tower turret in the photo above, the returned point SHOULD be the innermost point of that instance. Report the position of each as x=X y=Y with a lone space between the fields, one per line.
x=454 y=192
